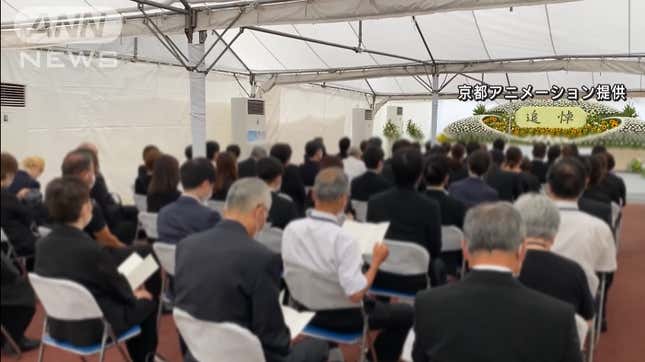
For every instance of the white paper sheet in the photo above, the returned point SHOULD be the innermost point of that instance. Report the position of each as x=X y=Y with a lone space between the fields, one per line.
x=366 y=234
x=136 y=270
x=296 y=321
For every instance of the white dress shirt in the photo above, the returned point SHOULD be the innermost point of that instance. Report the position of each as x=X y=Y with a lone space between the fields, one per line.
x=587 y=240
x=353 y=167
x=319 y=244
x=491 y=267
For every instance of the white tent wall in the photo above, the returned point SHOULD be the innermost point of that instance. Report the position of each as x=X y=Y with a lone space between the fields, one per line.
x=126 y=106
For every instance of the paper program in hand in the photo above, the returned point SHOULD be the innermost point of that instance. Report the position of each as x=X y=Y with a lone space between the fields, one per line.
x=296 y=321
x=366 y=234
x=137 y=270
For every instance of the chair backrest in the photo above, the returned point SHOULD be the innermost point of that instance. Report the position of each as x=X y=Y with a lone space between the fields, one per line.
x=141 y=202
x=451 y=237
x=149 y=222
x=315 y=291
x=44 y=231
x=215 y=342
x=216 y=205
x=361 y=209
x=583 y=329
x=615 y=214
x=271 y=237
x=64 y=299
x=405 y=258
x=165 y=252
x=5 y=239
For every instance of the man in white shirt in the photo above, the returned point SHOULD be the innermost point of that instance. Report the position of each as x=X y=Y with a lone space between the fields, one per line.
x=353 y=164
x=581 y=237
x=319 y=245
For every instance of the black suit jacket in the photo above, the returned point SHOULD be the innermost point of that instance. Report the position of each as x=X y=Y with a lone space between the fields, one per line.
x=412 y=215
x=615 y=187
x=16 y=290
x=16 y=221
x=539 y=169
x=387 y=172
x=472 y=191
x=530 y=182
x=507 y=184
x=283 y=210
x=23 y=180
x=223 y=275
x=490 y=316
x=142 y=182
x=308 y=172
x=156 y=201
x=368 y=184
x=184 y=217
x=601 y=210
x=293 y=186
x=247 y=168
x=70 y=253
x=453 y=211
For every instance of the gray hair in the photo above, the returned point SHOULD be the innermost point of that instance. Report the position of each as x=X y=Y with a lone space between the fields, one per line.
x=354 y=151
x=494 y=226
x=258 y=152
x=541 y=216
x=246 y=194
x=331 y=184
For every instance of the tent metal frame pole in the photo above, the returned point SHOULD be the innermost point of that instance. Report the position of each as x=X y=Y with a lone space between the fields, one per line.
x=227 y=47
x=336 y=45
x=153 y=29
x=233 y=52
x=435 y=106
x=447 y=82
x=423 y=38
x=161 y=6
x=218 y=39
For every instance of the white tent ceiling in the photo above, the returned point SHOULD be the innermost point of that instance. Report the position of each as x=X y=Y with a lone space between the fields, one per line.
x=568 y=43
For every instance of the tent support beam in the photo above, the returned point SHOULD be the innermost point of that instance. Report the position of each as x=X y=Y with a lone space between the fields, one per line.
x=448 y=82
x=233 y=52
x=435 y=106
x=217 y=40
x=331 y=44
x=227 y=47
x=423 y=38
x=161 y=6
x=163 y=39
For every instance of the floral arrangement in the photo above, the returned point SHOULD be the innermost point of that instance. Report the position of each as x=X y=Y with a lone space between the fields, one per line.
x=635 y=166
x=391 y=131
x=604 y=124
x=414 y=131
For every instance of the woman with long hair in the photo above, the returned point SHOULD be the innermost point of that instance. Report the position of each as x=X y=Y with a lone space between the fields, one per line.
x=226 y=174
x=163 y=183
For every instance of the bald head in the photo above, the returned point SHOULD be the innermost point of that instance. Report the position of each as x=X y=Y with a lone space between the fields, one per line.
x=331 y=185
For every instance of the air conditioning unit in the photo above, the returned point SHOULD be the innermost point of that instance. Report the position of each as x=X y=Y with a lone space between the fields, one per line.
x=362 y=125
x=248 y=123
x=395 y=114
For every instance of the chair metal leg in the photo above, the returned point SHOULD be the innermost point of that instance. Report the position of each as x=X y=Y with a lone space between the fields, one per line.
x=365 y=332
x=41 y=348
x=11 y=342
x=124 y=354
x=591 y=345
x=601 y=307
x=104 y=341
x=164 y=286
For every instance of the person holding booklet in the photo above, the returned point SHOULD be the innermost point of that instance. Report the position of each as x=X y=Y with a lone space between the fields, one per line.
x=224 y=275
x=69 y=253
x=320 y=244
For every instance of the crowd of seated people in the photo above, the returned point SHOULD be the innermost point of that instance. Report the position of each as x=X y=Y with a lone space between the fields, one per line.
x=557 y=239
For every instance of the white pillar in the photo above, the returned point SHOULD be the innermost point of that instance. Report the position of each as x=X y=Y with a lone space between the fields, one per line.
x=435 y=106
x=197 y=101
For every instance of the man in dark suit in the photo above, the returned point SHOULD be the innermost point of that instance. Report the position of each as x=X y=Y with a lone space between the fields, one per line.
x=490 y=316
x=371 y=182
x=292 y=184
x=473 y=190
x=437 y=175
x=188 y=215
x=538 y=166
x=18 y=306
x=248 y=167
x=387 y=164
x=309 y=169
x=413 y=217
x=15 y=218
x=69 y=253
x=283 y=210
x=501 y=176
x=614 y=183
x=224 y=275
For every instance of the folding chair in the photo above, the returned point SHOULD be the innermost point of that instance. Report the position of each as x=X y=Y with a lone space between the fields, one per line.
x=165 y=253
x=616 y=222
x=405 y=258
x=149 y=222
x=216 y=205
x=451 y=237
x=361 y=210
x=271 y=237
x=216 y=342
x=583 y=330
x=10 y=251
x=141 y=202
x=12 y=342
x=69 y=301
x=317 y=292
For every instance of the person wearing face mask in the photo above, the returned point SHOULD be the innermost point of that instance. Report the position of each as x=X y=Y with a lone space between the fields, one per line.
x=283 y=210
x=69 y=253
x=490 y=315
x=188 y=214
x=224 y=275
